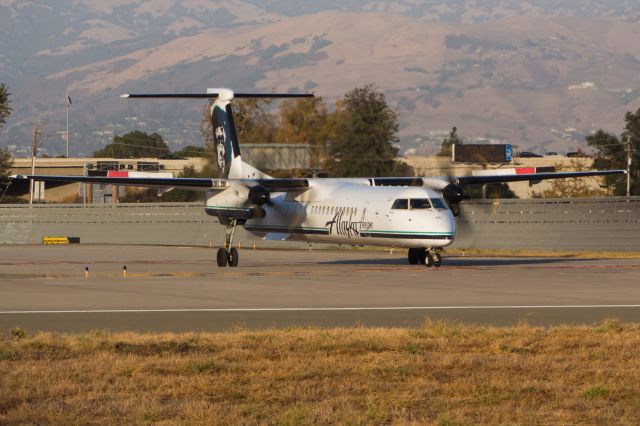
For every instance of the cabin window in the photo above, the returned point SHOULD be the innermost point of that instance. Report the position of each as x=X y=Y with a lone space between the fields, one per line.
x=420 y=203
x=438 y=203
x=400 y=204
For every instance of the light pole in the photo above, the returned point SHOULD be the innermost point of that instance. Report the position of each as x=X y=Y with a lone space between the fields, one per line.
x=37 y=131
x=628 y=165
x=68 y=101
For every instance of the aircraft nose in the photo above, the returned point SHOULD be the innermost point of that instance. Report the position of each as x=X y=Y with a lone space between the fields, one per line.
x=448 y=222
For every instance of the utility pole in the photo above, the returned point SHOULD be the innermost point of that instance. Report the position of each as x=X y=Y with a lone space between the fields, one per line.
x=37 y=131
x=628 y=164
x=68 y=102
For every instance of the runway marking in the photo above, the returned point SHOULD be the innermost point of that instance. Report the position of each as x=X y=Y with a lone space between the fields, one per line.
x=321 y=309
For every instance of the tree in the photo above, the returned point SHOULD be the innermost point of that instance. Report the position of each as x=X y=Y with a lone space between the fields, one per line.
x=6 y=159
x=5 y=104
x=365 y=134
x=253 y=123
x=611 y=153
x=193 y=151
x=632 y=132
x=305 y=121
x=135 y=144
x=447 y=143
x=6 y=162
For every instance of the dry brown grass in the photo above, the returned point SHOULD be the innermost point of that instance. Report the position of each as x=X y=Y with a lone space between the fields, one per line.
x=442 y=373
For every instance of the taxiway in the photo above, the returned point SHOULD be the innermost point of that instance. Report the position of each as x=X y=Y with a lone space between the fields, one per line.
x=44 y=288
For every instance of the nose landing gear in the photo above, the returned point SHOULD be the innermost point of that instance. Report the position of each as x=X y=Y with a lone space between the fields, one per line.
x=428 y=257
x=433 y=258
x=228 y=255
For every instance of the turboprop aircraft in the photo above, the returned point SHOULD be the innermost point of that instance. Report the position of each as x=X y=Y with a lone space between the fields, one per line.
x=411 y=212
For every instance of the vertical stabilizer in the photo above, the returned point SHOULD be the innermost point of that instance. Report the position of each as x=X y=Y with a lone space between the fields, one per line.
x=225 y=139
x=228 y=160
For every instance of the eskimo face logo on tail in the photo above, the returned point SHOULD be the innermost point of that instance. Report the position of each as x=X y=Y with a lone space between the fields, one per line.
x=219 y=137
x=346 y=226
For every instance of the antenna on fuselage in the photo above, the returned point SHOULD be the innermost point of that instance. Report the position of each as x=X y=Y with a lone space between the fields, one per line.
x=226 y=143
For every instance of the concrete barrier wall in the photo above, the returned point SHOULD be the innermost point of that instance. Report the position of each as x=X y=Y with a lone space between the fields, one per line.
x=161 y=224
x=611 y=224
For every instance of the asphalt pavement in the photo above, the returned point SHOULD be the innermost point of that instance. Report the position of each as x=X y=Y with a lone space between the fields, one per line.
x=48 y=288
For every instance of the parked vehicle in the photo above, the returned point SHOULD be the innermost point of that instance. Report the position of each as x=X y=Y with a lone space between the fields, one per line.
x=528 y=154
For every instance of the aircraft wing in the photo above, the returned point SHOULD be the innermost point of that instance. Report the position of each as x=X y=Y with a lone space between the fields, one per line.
x=297 y=184
x=534 y=176
x=191 y=184
x=497 y=178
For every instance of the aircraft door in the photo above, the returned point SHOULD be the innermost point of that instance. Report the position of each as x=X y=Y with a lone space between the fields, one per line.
x=388 y=213
x=365 y=218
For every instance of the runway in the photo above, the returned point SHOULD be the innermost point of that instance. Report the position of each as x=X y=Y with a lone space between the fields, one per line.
x=44 y=288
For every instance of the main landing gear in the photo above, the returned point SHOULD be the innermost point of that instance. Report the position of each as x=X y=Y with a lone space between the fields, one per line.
x=428 y=257
x=228 y=255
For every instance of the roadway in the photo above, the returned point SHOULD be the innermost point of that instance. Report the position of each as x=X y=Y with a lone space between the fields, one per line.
x=44 y=288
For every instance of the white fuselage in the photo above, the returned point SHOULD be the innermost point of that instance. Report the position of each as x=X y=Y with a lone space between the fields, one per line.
x=342 y=211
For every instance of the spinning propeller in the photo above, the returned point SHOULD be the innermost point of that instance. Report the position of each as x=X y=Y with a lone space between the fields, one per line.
x=453 y=194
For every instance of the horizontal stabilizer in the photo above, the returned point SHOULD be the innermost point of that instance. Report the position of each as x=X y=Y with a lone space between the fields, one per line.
x=213 y=95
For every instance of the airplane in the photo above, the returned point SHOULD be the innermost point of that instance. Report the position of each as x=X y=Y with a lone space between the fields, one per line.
x=417 y=213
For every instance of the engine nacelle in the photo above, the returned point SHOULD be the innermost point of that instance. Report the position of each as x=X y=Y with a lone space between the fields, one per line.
x=257 y=213
x=453 y=193
x=259 y=195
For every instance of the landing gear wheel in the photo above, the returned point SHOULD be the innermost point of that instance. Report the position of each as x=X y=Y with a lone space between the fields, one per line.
x=222 y=258
x=232 y=256
x=422 y=256
x=437 y=260
x=229 y=256
x=414 y=256
x=428 y=261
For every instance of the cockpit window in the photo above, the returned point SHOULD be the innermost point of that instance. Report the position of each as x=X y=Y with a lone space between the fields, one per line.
x=400 y=204
x=420 y=203
x=438 y=203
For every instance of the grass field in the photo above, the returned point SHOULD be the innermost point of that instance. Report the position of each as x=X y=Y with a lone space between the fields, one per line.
x=442 y=373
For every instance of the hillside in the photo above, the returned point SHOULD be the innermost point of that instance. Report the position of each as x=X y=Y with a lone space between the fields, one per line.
x=540 y=76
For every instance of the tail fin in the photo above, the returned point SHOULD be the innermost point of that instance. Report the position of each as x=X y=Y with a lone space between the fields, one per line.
x=225 y=139
x=229 y=162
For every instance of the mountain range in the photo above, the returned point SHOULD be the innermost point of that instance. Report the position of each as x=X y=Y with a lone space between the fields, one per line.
x=540 y=75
